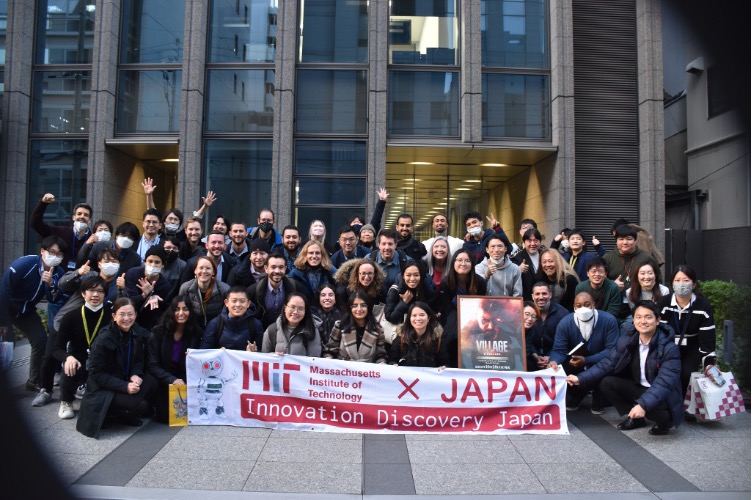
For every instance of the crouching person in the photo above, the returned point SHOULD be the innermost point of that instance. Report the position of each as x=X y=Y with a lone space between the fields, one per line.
x=117 y=385
x=640 y=377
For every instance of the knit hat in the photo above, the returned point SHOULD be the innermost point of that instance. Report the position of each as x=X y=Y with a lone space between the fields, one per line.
x=259 y=244
x=158 y=251
x=368 y=227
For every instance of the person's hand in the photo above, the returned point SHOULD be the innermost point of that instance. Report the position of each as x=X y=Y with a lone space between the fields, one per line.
x=209 y=199
x=251 y=346
x=71 y=366
x=554 y=365
x=48 y=198
x=178 y=381
x=637 y=412
x=120 y=282
x=407 y=296
x=492 y=220
x=92 y=239
x=595 y=241
x=145 y=287
x=153 y=302
x=85 y=268
x=619 y=283
x=573 y=380
x=47 y=276
x=491 y=269
x=524 y=267
x=133 y=388
x=279 y=353
x=542 y=361
x=559 y=236
x=383 y=194
x=577 y=361
x=148 y=185
x=136 y=379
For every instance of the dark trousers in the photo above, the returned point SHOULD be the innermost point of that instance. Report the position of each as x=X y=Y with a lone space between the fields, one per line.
x=138 y=404
x=690 y=362
x=50 y=365
x=31 y=325
x=623 y=392
x=68 y=385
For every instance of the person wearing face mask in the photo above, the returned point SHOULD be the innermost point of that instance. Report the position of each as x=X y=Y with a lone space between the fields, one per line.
x=173 y=218
x=74 y=238
x=691 y=317
x=440 y=230
x=174 y=265
x=126 y=234
x=26 y=281
x=476 y=235
x=148 y=289
x=265 y=230
x=597 y=330
x=503 y=277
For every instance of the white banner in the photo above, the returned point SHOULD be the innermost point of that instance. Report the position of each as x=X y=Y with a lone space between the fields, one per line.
x=315 y=394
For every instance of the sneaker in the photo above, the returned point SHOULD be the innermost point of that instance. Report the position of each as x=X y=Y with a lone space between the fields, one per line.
x=32 y=386
x=56 y=380
x=66 y=410
x=42 y=398
x=597 y=410
x=81 y=391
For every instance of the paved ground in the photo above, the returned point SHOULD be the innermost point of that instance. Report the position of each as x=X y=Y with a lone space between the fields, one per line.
x=703 y=461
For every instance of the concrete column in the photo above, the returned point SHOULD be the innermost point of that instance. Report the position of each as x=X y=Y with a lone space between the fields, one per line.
x=284 y=111
x=471 y=84
x=14 y=141
x=192 y=106
x=650 y=115
x=378 y=76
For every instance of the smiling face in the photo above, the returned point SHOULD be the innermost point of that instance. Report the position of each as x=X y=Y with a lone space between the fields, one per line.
x=645 y=321
x=238 y=234
x=182 y=313
x=291 y=240
x=626 y=245
x=220 y=225
x=576 y=242
x=411 y=277
x=313 y=255
x=327 y=299
x=440 y=250
x=82 y=215
x=124 y=317
x=463 y=264
x=258 y=257
x=419 y=320
x=204 y=271
x=275 y=270
x=532 y=245
x=151 y=225
x=404 y=227
x=387 y=246
x=193 y=232
x=548 y=264
x=542 y=297
x=646 y=277
x=347 y=242
x=366 y=273
x=496 y=249
x=295 y=311
x=439 y=224
x=529 y=318
x=317 y=229
x=597 y=275
x=215 y=245
x=94 y=296
x=359 y=311
x=237 y=304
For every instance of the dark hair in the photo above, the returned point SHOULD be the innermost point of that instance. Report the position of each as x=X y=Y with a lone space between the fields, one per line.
x=275 y=255
x=323 y=286
x=216 y=232
x=529 y=221
x=91 y=282
x=532 y=233
x=306 y=326
x=267 y=210
x=167 y=321
x=625 y=231
x=451 y=278
x=407 y=332
x=53 y=240
x=540 y=284
x=128 y=229
x=617 y=223
x=153 y=211
x=291 y=227
x=354 y=218
x=405 y=216
x=346 y=229
x=177 y=213
x=439 y=215
x=597 y=262
x=353 y=280
x=172 y=239
x=647 y=304
x=348 y=322
x=83 y=205
x=574 y=231
x=224 y=219
x=387 y=233
x=420 y=291
x=122 y=302
x=472 y=215
x=109 y=252
x=237 y=289
x=530 y=303
x=500 y=237
x=635 y=290
x=238 y=222
x=100 y=222
x=691 y=274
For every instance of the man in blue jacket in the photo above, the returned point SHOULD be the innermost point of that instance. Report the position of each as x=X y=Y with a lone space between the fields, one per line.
x=25 y=283
x=640 y=377
x=597 y=331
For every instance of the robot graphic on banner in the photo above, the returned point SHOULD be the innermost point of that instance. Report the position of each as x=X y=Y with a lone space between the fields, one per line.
x=210 y=387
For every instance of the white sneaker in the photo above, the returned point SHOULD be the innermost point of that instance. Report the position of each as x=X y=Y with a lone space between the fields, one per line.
x=42 y=398
x=81 y=391
x=66 y=410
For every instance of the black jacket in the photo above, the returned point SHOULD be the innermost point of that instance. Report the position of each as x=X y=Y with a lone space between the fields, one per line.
x=257 y=294
x=159 y=355
x=233 y=333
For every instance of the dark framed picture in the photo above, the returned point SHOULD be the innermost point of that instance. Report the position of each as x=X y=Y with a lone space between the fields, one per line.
x=491 y=335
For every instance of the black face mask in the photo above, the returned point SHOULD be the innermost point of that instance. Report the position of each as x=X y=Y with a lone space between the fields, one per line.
x=265 y=227
x=171 y=257
x=356 y=227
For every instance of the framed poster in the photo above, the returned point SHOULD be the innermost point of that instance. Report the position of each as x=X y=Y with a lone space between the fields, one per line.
x=491 y=335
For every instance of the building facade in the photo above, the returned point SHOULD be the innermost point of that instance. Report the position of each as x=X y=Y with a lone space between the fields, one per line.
x=551 y=110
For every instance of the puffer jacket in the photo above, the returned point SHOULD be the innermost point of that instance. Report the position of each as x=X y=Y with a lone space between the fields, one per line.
x=300 y=342
x=233 y=333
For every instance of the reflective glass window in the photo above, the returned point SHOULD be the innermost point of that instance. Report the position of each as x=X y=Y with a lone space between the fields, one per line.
x=149 y=101
x=331 y=101
x=423 y=103
x=332 y=217
x=333 y=31
x=423 y=32
x=240 y=100
x=152 y=31
x=56 y=166
x=2 y=91
x=514 y=34
x=243 y=31
x=515 y=106
x=322 y=191
x=241 y=171
x=330 y=158
x=61 y=102
x=3 y=28
x=65 y=31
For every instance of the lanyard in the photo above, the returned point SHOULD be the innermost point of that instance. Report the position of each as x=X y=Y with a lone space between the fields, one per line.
x=90 y=338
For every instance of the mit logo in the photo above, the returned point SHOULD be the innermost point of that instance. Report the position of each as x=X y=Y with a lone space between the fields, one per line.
x=268 y=374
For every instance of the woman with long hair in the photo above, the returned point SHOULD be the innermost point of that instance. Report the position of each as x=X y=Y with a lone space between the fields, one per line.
x=118 y=384
x=438 y=259
x=312 y=268
x=326 y=310
x=645 y=285
x=295 y=331
x=411 y=288
x=317 y=232
x=205 y=292
x=166 y=350
x=557 y=273
x=357 y=337
x=359 y=274
x=419 y=341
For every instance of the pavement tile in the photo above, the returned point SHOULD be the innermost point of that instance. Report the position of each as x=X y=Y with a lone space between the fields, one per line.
x=215 y=474
x=225 y=430
x=455 y=437
x=438 y=452
x=480 y=478
x=231 y=447
x=312 y=477
x=732 y=426
x=63 y=438
x=385 y=452
x=284 y=434
x=70 y=466
x=672 y=448
x=388 y=479
x=715 y=475
x=552 y=452
x=739 y=445
x=304 y=450
x=574 y=477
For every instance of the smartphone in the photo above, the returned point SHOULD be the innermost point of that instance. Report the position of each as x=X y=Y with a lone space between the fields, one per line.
x=715 y=376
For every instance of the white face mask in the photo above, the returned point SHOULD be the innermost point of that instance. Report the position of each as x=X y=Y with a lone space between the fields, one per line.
x=52 y=260
x=565 y=245
x=172 y=228
x=475 y=231
x=153 y=270
x=584 y=313
x=124 y=242
x=497 y=262
x=110 y=268
x=79 y=226
x=93 y=308
x=104 y=236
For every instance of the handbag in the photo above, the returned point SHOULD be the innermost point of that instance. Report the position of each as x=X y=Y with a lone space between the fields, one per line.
x=708 y=401
x=391 y=330
x=177 y=405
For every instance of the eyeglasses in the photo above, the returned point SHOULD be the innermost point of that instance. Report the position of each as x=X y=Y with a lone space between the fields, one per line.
x=347 y=240
x=597 y=272
x=96 y=291
x=151 y=222
x=359 y=306
x=125 y=315
x=55 y=254
x=366 y=275
x=299 y=309
x=463 y=261
x=531 y=315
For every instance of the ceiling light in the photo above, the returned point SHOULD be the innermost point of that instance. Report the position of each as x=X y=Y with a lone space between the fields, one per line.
x=462 y=189
x=494 y=165
x=169 y=160
x=420 y=163
x=474 y=180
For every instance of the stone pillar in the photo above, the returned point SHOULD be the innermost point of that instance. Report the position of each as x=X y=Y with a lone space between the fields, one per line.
x=471 y=83
x=378 y=76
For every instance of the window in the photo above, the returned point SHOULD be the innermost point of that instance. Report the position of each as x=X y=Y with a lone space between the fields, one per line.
x=719 y=99
x=149 y=101
x=515 y=106
x=65 y=31
x=423 y=103
x=61 y=102
x=152 y=32
x=423 y=32
x=249 y=37
x=240 y=100
x=331 y=102
x=333 y=31
x=514 y=34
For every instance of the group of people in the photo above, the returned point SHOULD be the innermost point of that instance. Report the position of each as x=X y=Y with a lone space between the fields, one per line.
x=125 y=306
